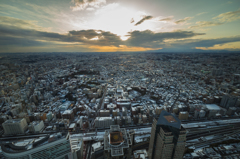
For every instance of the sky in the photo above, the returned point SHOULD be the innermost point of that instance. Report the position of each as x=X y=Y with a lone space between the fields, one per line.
x=119 y=25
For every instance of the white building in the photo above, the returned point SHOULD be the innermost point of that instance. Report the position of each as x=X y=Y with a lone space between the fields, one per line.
x=36 y=126
x=213 y=109
x=76 y=144
x=101 y=122
x=65 y=106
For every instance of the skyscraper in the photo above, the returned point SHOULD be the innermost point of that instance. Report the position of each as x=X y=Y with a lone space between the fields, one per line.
x=228 y=101
x=167 y=139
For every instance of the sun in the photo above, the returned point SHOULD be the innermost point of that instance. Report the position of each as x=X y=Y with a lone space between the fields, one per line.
x=118 y=20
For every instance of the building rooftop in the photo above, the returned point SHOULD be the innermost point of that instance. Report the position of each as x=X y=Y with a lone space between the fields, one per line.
x=142 y=154
x=212 y=107
x=166 y=118
x=116 y=138
x=97 y=146
x=13 y=121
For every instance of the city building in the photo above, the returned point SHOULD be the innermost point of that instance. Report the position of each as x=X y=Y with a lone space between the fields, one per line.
x=15 y=126
x=56 y=148
x=97 y=151
x=36 y=126
x=168 y=138
x=117 y=143
x=213 y=109
x=77 y=145
x=228 y=101
x=183 y=115
x=101 y=122
x=68 y=114
x=140 y=154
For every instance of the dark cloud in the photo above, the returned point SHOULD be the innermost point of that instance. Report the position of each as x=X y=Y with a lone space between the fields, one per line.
x=143 y=19
x=27 y=33
x=192 y=44
x=89 y=34
x=148 y=38
x=104 y=38
x=20 y=36
x=205 y=24
x=210 y=42
x=83 y=36
x=15 y=41
x=183 y=20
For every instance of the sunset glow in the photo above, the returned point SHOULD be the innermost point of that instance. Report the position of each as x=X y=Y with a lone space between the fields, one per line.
x=104 y=25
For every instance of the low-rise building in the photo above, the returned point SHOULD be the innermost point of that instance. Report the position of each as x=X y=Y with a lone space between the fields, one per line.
x=117 y=143
x=36 y=126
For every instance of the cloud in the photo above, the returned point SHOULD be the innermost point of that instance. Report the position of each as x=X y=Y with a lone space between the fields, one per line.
x=183 y=20
x=120 y=48
x=90 y=9
x=16 y=22
x=219 y=20
x=88 y=34
x=145 y=38
x=148 y=38
x=104 y=38
x=212 y=42
x=192 y=43
x=205 y=24
x=22 y=35
x=202 y=44
x=17 y=41
x=167 y=19
x=201 y=13
x=228 y=16
x=83 y=4
x=143 y=19
x=132 y=20
x=10 y=21
x=107 y=8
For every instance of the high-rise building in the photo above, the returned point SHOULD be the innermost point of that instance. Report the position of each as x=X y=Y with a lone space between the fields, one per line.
x=167 y=139
x=228 y=101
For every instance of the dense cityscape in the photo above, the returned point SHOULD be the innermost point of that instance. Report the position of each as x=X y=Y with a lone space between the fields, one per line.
x=120 y=105
x=119 y=79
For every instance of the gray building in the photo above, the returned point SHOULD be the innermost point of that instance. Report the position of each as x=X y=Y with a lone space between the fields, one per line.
x=228 y=101
x=167 y=139
x=15 y=126
x=58 y=149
